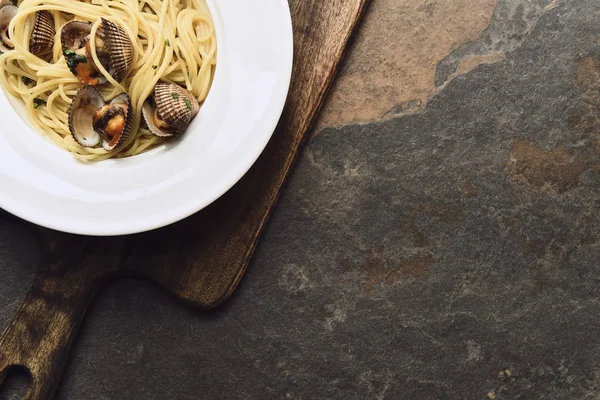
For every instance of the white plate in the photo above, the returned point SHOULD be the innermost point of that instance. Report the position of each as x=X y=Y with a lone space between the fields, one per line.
x=44 y=184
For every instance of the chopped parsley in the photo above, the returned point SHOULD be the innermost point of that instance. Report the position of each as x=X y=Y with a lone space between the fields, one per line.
x=188 y=104
x=167 y=43
x=175 y=96
x=74 y=59
x=37 y=103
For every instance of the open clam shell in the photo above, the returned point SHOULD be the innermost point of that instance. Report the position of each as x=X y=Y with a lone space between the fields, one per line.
x=7 y=13
x=93 y=121
x=74 y=39
x=114 y=121
x=42 y=36
x=81 y=116
x=170 y=110
x=75 y=34
x=113 y=48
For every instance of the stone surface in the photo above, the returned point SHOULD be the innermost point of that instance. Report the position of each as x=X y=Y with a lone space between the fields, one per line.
x=451 y=253
x=392 y=64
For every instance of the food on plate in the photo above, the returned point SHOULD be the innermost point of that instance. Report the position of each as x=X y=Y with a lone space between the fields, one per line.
x=105 y=79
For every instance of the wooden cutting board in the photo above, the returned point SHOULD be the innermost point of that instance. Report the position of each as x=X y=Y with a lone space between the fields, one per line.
x=201 y=259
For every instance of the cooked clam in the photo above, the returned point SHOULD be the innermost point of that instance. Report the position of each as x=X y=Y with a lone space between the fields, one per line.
x=81 y=116
x=42 y=36
x=113 y=121
x=113 y=48
x=7 y=13
x=170 y=110
x=74 y=37
x=92 y=121
x=119 y=47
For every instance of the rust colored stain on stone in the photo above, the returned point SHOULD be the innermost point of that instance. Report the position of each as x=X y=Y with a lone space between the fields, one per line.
x=414 y=268
x=554 y=171
x=587 y=73
x=443 y=213
x=584 y=119
x=468 y=188
x=378 y=272
x=395 y=54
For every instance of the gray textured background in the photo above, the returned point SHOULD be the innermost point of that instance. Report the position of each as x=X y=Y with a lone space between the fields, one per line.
x=448 y=254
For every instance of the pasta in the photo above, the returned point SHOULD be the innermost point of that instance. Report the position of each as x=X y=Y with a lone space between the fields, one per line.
x=173 y=41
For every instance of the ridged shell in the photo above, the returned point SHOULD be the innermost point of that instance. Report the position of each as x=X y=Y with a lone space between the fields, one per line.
x=176 y=106
x=42 y=36
x=7 y=13
x=6 y=3
x=122 y=99
x=81 y=114
x=120 y=48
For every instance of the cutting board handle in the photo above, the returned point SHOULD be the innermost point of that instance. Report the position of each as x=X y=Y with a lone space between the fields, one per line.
x=41 y=335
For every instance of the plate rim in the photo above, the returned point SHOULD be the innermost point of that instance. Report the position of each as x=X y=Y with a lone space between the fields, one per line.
x=269 y=125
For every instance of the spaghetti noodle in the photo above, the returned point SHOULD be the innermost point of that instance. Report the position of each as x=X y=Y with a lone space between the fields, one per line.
x=173 y=41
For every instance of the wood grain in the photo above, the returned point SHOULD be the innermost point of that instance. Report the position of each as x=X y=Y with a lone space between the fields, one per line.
x=41 y=334
x=201 y=259
x=211 y=250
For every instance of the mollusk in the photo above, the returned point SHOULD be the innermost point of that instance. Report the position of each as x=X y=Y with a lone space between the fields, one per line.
x=170 y=110
x=113 y=48
x=42 y=36
x=7 y=13
x=119 y=48
x=93 y=121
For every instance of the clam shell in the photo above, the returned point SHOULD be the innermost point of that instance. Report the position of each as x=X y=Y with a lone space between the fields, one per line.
x=42 y=36
x=81 y=114
x=176 y=106
x=120 y=49
x=6 y=3
x=7 y=13
x=124 y=100
x=73 y=35
x=148 y=113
